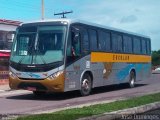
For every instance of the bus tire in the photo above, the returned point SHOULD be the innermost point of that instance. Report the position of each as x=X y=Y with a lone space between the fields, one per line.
x=86 y=85
x=132 y=79
x=39 y=93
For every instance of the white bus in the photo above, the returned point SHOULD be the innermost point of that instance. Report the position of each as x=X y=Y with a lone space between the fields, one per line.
x=65 y=55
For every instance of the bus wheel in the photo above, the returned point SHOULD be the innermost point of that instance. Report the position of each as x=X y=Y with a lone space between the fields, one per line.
x=132 y=79
x=86 y=85
x=39 y=93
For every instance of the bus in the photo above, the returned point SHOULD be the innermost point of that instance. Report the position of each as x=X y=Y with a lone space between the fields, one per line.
x=63 y=55
x=4 y=66
x=5 y=49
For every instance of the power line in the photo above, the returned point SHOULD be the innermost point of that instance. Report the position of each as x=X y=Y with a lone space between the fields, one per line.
x=63 y=13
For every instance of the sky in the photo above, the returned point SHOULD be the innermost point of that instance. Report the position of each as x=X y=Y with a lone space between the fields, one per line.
x=139 y=16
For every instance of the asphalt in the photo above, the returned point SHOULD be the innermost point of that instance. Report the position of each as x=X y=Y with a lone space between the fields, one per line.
x=153 y=112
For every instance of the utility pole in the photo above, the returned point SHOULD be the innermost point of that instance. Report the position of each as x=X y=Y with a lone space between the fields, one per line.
x=42 y=8
x=63 y=13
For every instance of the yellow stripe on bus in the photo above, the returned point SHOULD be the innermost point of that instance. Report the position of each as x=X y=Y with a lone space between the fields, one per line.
x=115 y=57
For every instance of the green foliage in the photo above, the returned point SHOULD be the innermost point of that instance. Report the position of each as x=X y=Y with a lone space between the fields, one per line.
x=155 y=58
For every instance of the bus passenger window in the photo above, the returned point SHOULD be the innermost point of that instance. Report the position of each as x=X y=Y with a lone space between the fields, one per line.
x=127 y=44
x=75 y=49
x=116 y=42
x=104 y=43
x=144 y=51
x=136 y=45
x=93 y=39
x=85 y=42
x=148 y=46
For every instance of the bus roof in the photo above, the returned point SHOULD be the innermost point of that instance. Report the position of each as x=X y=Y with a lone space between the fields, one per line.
x=70 y=21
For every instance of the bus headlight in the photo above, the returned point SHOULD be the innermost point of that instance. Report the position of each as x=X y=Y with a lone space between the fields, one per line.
x=11 y=74
x=55 y=75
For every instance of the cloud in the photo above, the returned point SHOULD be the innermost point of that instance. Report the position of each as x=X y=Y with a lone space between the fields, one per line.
x=139 y=16
x=129 y=19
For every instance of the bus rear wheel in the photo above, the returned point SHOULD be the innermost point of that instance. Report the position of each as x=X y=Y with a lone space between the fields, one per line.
x=132 y=80
x=86 y=85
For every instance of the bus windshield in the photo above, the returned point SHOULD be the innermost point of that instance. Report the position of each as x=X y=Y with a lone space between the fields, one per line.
x=43 y=45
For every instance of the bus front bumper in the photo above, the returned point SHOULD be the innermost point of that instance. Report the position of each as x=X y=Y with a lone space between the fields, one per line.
x=48 y=85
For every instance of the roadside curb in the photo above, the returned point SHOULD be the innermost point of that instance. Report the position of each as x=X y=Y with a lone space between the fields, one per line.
x=118 y=114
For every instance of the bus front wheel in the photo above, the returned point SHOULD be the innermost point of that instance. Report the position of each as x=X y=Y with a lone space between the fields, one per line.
x=132 y=79
x=86 y=85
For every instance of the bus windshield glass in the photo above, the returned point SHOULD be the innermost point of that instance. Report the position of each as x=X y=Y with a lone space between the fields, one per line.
x=41 y=45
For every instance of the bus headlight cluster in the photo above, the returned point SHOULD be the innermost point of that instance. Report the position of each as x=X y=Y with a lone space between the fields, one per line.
x=55 y=75
x=11 y=74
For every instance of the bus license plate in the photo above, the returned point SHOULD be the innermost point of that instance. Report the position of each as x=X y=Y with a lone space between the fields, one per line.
x=31 y=88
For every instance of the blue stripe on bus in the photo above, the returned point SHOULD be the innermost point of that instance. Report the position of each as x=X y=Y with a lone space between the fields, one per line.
x=122 y=74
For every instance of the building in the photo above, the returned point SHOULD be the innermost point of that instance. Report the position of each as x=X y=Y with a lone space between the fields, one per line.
x=7 y=29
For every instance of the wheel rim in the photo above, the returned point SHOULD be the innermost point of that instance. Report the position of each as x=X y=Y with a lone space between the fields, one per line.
x=86 y=86
x=132 y=82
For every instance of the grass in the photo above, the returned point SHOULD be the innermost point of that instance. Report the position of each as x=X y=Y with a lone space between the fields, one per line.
x=75 y=113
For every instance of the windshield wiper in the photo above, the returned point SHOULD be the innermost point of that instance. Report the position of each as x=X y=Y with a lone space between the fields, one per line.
x=36 y=52
x=20 y=61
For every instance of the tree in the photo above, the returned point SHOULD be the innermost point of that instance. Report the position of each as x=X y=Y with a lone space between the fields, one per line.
x=155 y=58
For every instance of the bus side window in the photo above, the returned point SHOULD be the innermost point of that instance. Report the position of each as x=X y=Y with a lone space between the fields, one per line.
x=73 y=46
x=104 y=43
x=144 y=51
x=148 y=47
x=85 y=42
x=116 y=42
x=93 y=39
x=127 y=44
x=136 y=45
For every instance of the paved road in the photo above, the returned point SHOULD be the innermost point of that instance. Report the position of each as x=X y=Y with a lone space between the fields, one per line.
x=153 y=112
x=23 y=102
x=150 y=115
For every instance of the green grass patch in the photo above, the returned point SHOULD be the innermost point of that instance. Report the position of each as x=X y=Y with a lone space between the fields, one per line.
x=75 y=113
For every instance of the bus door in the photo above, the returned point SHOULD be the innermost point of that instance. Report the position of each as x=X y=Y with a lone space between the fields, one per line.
x=73 y=62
